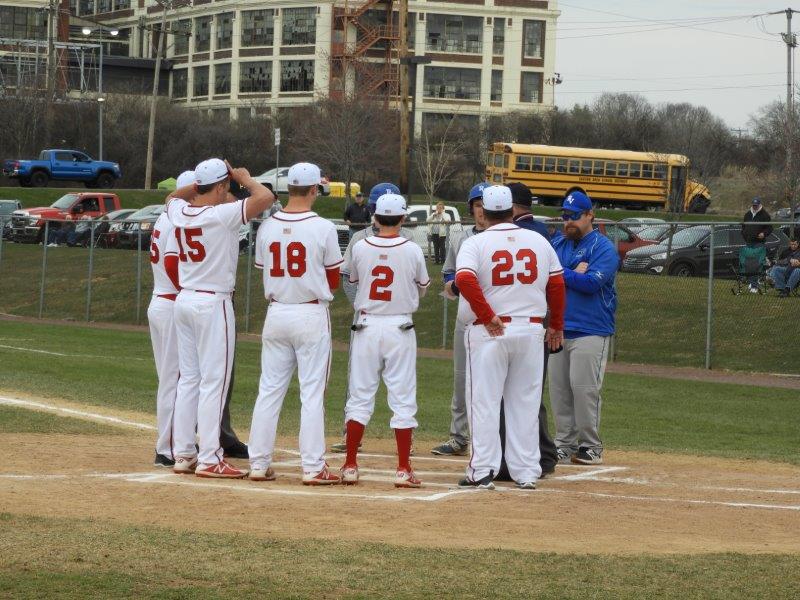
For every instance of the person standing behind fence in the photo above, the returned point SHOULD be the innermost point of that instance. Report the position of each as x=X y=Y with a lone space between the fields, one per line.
x=755 y=231
x=576 y=375
x=357 y=215
x=438 y=227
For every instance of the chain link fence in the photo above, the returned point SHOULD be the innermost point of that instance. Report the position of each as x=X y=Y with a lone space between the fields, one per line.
x=685 y=300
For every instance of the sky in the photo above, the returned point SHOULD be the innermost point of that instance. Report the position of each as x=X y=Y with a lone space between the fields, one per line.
x=714 y=53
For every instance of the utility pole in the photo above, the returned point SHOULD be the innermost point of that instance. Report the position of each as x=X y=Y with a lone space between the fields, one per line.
x=151 y=131
x=52 y=18
x=404 y=112
x=790 y=40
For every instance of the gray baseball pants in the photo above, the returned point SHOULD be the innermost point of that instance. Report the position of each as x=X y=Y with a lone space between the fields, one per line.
x=576 y=376
x=459 y=424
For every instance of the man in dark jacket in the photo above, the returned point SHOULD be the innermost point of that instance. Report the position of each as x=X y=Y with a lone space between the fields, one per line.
x=786 y=272
x=357 y=215
x=755 y=231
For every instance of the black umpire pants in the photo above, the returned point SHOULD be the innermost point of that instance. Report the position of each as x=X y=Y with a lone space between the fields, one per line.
x=227 y=436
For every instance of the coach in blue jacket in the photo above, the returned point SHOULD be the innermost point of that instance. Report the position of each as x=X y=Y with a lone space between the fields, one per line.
x=590 y=263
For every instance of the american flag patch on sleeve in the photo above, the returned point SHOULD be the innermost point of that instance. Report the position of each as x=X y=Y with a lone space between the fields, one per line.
x=287 y=231
x=384 y=257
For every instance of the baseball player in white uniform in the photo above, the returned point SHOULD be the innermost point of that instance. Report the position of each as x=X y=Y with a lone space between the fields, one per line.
x=391 y=275
x=300 y=256
x=508 y=276
x=207 y=235
x=164 y=262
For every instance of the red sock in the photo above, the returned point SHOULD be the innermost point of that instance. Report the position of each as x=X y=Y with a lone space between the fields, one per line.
x=355 y=431
x=404 y=439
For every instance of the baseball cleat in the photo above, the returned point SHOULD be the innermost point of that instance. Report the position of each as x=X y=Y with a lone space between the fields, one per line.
x=564 y=456
x=482 y=484
x=324 y=477
x=221 y=470
x=185 y=465
x=406 y=479
x=526 y=485
x=587 y=456
x=350 y=475
x=262 y=474
x=236 y=450
x=163 y=461
x=451 y=448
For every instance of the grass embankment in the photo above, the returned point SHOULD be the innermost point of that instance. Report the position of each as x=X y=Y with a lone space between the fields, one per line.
x=114 y=369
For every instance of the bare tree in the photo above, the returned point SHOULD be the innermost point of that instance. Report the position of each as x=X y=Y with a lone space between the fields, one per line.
x=436 y=155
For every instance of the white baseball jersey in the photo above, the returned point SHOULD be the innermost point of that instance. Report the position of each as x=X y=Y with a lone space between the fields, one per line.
x=163 y=243
x=390 y=272
x=513 y=266
x=294 y=250
x=208 y=243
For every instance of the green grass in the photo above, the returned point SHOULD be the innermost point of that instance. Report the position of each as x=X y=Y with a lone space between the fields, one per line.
x=56 y=558
x=22 y=420
x=114 y=369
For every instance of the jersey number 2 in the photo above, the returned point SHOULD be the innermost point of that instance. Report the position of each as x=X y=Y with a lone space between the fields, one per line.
x=503 y=261
x=295 y=259
x=197 y=252
x=384 y=276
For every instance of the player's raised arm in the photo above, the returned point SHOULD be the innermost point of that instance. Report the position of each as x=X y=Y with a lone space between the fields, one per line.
x=260 y=198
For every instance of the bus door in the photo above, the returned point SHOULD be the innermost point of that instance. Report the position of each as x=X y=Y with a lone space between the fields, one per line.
x=677 y=188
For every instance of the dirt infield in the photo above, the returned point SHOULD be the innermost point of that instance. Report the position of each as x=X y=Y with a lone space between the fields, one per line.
x=635 y=503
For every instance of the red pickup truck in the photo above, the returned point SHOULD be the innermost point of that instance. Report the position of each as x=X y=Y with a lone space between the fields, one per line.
x=27 y=224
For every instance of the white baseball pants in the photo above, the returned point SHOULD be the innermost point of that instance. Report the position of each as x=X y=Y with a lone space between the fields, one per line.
x=165 y=352
x=508 y=367
x=294 y=336
x=382 y=346
x=206 y=329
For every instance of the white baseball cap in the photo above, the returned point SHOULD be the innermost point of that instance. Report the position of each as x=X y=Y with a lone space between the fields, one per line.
x=184 y=179
x=303 y=174
x=497 y=198
x=390 y=205
x=210 y=171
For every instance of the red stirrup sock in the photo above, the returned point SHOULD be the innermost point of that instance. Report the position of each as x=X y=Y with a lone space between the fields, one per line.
x=404 y=439
x=355 y=431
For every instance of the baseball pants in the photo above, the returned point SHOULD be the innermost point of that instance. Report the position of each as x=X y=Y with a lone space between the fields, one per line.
x=165 y=352
x=576 y=376
x=459 y=424
x=380 y=346
x=206 y=339
x=508 y=367
x=294 y=336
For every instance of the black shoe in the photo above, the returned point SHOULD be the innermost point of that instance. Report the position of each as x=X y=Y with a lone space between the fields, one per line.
x=482 y=484
x=784 y=293
x=237 y=450
x=587 y=456
x=547 y=470
x=163 y=461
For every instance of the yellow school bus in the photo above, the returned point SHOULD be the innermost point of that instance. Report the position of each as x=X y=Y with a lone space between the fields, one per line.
x=640 y=180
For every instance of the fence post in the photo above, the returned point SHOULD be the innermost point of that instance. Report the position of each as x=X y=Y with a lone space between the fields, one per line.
x=710 y=299
x=139 y=276
x=247 y=285
x=91 y=269
x=612 y=343
x=1 y=247
x=44 y=266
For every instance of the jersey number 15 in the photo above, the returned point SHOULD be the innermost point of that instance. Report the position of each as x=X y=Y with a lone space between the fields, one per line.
x=188 y=236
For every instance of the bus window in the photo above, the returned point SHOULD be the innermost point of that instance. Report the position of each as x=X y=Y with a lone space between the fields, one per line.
x=497 y=178
x=647 y=171
x=561 y=165
x=622 y=170
x=574 y=166
x=523 y=163
x=505 y=161
x=660 y=172
x=586 y=167
x=599 y=167
x=636 y=170
x=490 y=159
x=611 y=168
x=537 y=163
x=549 y=165
x=498 y=160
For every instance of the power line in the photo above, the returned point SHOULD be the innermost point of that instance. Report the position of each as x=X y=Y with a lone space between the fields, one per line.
x=585 y=77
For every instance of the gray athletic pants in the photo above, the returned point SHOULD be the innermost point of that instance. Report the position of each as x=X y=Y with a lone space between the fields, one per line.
x=576 y=376
x=459 y=425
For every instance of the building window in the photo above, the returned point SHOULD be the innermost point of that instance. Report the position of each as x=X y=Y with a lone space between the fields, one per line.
x=73 y=9
x=299 y=26
x=222 y=79
x=86 y=7
x=202 y=34
x=532 y=39
x=446 y=82
x=255 y=77
x=531 y=87
x=224 y=30
x=179 y=79
x=453 y=33
x=497 y=86
x=120 y=45
x=122 y=4
x=22 y=23
x=258 y=28
x=412 y=30
x=103 y=6
x=243 y=114
x=498 y=36
x=297 y=75
x=200 y=88
x=182 y=30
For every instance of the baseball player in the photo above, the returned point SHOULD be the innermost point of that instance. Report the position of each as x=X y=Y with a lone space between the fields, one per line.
x=508 y=276
x=164 y=262
x=391 y=275
x=458 y=444
x=207 y=235
x=300 y=256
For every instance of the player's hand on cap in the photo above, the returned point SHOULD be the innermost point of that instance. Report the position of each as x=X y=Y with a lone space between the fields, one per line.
x=554 y=338
x=239 y=175
x=495 y=327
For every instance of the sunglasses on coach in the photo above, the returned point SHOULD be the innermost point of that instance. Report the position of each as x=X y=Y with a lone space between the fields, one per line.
x=571 y=216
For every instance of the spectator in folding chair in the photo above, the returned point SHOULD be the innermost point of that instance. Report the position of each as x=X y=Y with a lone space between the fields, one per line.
x=786 y=272
x=755 y=231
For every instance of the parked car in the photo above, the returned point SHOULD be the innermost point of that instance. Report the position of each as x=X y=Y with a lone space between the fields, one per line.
x=62 y=165
x=636 y=224
x=7 y=207
x=623 y=238
x=136 y=225
x=277 y=180
x=28 y=224
x=103 y=234
x=785 y=215
x=658 y=233
x=689 y=252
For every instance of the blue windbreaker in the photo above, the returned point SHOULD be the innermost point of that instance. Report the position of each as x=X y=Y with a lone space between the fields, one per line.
x=591 y=296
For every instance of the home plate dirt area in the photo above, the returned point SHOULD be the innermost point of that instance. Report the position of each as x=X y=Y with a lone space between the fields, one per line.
x=635 y=503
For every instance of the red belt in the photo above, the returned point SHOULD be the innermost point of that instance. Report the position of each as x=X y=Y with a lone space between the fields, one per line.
x=168 y=296
x=539 y=320
x=309 y=302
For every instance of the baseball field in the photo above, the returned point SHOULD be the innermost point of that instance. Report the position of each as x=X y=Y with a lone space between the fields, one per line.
x=699 y=496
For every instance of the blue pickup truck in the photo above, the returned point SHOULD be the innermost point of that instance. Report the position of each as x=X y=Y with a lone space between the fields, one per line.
x=63 y=165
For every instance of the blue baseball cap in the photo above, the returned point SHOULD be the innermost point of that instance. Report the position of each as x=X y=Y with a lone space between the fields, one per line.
x=477 y=191
x=380 y=189
x=756 y=201
x=577 y=202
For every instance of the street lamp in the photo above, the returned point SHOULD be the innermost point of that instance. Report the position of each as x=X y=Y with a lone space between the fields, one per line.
x=87 y=31
x=101 y=100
